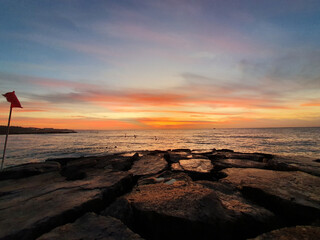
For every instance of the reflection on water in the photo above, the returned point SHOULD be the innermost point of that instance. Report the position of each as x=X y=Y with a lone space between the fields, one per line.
x=286 y=141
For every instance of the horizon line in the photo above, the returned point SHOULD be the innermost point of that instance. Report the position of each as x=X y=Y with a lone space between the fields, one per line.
x=138 y=129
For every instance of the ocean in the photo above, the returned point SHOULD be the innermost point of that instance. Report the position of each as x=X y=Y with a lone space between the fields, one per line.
x=283 y=141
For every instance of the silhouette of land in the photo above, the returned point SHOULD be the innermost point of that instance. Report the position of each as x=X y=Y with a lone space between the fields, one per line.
x=30 y=130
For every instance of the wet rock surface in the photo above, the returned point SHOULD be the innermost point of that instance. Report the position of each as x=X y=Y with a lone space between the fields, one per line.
x=174 y=194
x=30 y=207
x=292 y=233
x=190 y=210
x=92 y=226
x=196 y=165
x=293 y=194
x=225 y=153
x=149 y=164
x=176 y=167
x=303 y=164
x=237 y=163
x=28 y=169
x=198 y=168
x=176 y=156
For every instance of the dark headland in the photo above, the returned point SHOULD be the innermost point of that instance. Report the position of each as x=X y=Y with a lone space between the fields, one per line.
x=30 y=130
x=174 y=194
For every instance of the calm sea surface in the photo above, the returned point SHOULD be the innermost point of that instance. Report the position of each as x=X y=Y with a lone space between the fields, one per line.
x=284 y=141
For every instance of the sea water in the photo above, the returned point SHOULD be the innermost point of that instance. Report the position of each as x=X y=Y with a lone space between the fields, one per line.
x=39 y=147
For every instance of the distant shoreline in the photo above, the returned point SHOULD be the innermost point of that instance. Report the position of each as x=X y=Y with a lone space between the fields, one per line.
x=191 y=129
x=31 y=130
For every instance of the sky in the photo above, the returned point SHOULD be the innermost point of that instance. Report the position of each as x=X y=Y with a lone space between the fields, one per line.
x=145 y=64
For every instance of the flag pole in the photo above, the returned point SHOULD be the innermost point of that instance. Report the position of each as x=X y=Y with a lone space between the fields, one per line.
x=5 y=143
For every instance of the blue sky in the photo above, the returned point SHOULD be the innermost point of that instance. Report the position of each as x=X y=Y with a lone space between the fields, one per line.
x=178 y=63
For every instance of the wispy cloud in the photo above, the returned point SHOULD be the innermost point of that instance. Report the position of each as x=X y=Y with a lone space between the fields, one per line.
x=315 y=103
x=287 y=71
x=196 y=91
x=25 y=80
x=75 y=123
x=140 y=98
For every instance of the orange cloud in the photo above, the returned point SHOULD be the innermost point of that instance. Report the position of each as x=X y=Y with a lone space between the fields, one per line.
x=176 y=123
x=161 y=99
x=196 y=91
x=241 y=102
x=129 y=110
x=311 y=104
x=132 y=98
x=187 y=106
x=173 y=123
x=77 y=123
x=158 y=99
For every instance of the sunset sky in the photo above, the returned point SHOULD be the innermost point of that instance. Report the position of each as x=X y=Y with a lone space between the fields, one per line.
x=144 y=64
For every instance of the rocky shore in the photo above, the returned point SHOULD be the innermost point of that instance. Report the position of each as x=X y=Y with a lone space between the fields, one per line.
x=174 y=194
x=30 y=130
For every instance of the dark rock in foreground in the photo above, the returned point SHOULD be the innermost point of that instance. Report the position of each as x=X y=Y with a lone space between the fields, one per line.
x=28 y=169
x=176 y=156
x=303 y=164
x=292 y=233
x=92 y=227
x=29 y=208
x=187 y=210
x=237 y=163
x=196 y=165
x=197 y=168
x=149 y=164
x=225 y=153
x=295 y=195
x=178 y=194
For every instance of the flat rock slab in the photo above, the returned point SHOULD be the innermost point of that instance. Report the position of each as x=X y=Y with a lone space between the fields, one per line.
x=298 y=193
x=81 y=163
x=188 y=210
x=176 y=156
x=196 y=165
x=28 y=169
x=178 y=199
x=131 y=154
x=76 y=162
x=167 y=177
x=292 y=233
x=176 y=167
x=201 y=151
x=237 y=163
x=304 y=164
x=233 y=200
x=149 y=164
x=30 y=207
x=92 y=227
x=258 y=157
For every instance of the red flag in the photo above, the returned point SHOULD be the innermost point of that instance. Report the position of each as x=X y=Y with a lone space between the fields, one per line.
x=12 y=98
